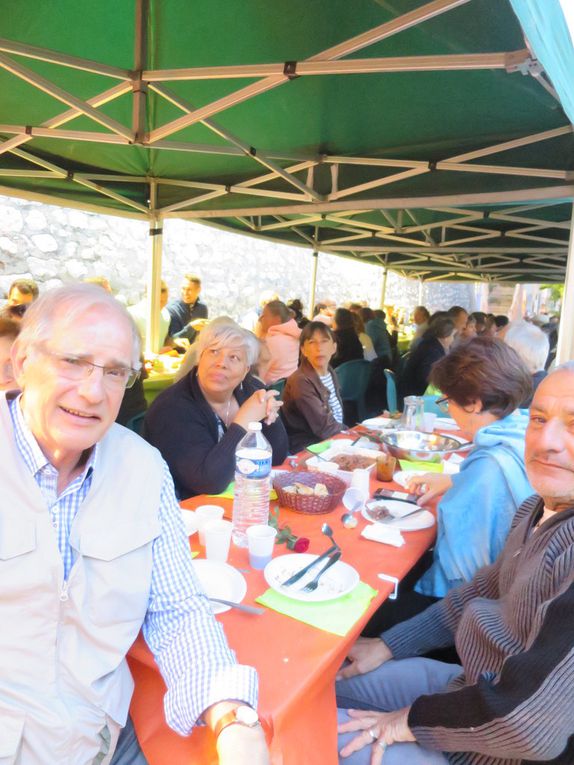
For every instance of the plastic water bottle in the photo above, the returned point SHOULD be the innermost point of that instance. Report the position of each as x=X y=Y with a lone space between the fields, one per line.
x=252 y=482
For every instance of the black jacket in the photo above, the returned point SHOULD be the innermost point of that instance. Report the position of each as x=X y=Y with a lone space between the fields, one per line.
x=349 y=347
x=182 y=425
x=415 y=378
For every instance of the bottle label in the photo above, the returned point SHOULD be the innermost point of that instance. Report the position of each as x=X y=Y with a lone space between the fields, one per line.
x=253 y=463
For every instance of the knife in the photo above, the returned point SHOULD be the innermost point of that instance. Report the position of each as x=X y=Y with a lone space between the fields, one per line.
x=296 y=576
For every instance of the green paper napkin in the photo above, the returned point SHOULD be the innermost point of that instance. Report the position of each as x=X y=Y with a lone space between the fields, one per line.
x=229 y=493
x=335 y=616
x=319 y=448
x=428 y=467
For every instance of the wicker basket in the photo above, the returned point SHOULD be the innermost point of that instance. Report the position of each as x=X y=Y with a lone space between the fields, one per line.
x=302 y=503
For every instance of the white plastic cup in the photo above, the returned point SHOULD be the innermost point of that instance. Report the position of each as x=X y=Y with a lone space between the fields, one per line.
x=429 y=419
x=217 y=540
x=260 y=542
x=361 y=480
x=203 y=515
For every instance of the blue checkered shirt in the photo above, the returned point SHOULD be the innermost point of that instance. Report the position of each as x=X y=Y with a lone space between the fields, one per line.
x=188 y=644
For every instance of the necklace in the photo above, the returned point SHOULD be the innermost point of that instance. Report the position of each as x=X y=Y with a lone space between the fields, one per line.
x=217 y=411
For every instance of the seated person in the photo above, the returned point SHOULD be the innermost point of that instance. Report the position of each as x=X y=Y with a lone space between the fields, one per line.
x=483 y=382
x=532 y=345
x=510 y=702
x=434 y=344
x=280 y=333
x=197 y=423
x=8 y=333
x=369 y=353
x=312 y=406
x=349 y=346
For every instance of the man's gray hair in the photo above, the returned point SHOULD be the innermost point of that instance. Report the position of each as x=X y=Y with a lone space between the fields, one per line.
x=223 y=331
x=530 y=342
x=70 y=303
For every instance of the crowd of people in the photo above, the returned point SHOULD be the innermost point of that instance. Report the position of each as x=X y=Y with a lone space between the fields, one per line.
x=496 y=593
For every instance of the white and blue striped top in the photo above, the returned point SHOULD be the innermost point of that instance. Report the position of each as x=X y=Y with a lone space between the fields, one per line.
x=334 y=403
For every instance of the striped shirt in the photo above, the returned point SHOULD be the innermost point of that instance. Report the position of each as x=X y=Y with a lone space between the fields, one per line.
x=513 y=627
x=188 y=644
x=334 y=403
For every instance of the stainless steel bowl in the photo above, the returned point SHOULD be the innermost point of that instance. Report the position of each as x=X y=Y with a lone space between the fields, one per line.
x=421 y=447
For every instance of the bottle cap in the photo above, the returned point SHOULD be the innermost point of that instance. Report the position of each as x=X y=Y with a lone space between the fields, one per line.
x=254 y=426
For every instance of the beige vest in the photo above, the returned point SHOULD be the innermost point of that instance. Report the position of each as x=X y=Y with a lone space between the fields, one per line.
x=65 y=687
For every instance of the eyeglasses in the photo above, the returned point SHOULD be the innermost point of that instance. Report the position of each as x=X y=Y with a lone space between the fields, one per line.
x=78 y=368
x=442 y=404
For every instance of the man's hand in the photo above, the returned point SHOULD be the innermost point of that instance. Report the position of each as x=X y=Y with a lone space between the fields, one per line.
x=429 y=486
x=239 y=745
x=365 y=655
x=377 y=730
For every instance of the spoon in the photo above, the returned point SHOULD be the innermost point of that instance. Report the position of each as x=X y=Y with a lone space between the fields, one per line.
x=328 y=531
x=348 y=519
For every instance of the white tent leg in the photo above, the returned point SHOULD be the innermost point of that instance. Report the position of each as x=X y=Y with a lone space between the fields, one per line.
x=421 y=291
x=153 y=341
x=313 y=284
x=384 y=288
x=565 y=348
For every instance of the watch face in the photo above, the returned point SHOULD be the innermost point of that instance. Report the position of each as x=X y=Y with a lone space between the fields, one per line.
x=246 y=715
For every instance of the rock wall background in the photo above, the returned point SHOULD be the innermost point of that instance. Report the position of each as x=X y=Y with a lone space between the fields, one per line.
x=54 y=245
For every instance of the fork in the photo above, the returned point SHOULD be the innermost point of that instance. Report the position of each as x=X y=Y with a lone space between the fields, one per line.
x=314 y=583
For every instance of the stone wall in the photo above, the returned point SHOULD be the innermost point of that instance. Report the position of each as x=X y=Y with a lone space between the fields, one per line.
x=55 y=245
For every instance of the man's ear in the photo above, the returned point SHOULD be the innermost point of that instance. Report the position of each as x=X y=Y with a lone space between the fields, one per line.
x=18 y=355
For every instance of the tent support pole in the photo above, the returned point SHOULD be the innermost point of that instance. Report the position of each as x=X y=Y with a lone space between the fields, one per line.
x=153 y=341
x=565 y=349
x=384 y=288
x=313 y=283
x=421 y=290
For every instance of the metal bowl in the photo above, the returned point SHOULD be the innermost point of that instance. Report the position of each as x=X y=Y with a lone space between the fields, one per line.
x=420 y=447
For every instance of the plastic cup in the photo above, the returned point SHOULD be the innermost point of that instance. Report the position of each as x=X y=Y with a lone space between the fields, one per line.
x=361 y=480
x=386 y=464
x=429 y=419
x=203 y=515
x=260 y=541
x=217 y=540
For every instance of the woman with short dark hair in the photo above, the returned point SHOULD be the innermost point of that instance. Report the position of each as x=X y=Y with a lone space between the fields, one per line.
x=312 y=407
x=434 y=344
x=483 y=382
x=349 y=346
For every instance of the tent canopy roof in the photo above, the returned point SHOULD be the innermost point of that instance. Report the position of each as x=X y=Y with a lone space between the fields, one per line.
x=421 y=136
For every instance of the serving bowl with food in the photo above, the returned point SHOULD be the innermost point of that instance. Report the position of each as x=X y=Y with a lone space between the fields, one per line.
x=416 y=446
x=341 y=459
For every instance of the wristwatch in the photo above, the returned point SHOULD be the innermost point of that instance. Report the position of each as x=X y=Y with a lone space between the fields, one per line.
x=241 y=715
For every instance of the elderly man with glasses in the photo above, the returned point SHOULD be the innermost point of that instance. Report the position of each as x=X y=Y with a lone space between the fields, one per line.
x=92 y=547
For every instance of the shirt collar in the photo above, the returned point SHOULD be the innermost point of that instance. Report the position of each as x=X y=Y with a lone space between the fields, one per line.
x=29 y=448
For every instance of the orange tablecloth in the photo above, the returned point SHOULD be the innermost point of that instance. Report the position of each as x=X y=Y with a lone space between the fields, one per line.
x=296 y=663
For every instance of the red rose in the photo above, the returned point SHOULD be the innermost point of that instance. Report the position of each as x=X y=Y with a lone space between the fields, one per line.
x=301 y=545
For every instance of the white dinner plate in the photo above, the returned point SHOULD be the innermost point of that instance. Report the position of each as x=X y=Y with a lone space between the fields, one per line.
x=402 y=477
x=445 y=423
x=380 y=423
x=220 y=580
x=189 y=521
x=339 y=580
x=420 y=520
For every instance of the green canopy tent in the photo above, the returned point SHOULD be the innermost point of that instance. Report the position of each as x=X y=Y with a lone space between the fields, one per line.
x=423 y=137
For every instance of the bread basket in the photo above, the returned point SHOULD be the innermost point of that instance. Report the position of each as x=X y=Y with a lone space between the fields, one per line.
x=309 y=504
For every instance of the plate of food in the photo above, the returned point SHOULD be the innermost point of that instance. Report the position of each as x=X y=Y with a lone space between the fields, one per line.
x=220 y=580
x=403 y=516
x=380 y=423
x=340 y=461
x=338 y=580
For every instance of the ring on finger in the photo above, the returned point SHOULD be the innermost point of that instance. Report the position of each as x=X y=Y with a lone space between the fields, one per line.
x=373 y=733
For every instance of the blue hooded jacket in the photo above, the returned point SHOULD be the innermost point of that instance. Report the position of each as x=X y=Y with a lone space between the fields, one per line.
x=474 y=516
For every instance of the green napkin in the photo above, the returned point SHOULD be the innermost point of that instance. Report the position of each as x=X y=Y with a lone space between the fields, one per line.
x=194 y=554
x=335 y=616
x=428 y=467
x=319 y=448
x=229 y=493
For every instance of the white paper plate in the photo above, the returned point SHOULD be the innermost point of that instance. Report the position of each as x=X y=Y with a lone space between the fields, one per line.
x=220 y=580
x=421 y=520
x=445 y=423
x=402 y=477
x=189 y=521
x=339 y=580
x=380 y=423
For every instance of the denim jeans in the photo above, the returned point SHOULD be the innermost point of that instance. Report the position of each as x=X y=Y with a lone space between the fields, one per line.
x=128 y=750
x=394 y=685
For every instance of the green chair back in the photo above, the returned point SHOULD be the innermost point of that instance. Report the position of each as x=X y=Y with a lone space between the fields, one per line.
x=354 y=379
x=391 y=391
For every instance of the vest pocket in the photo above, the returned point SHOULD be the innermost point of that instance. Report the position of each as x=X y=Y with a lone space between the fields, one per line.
x=16 y=539
x=11 y=729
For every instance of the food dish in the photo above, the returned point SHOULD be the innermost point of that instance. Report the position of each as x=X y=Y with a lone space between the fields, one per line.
x=339 y=580
x=353 y=461
x=422 y=519
x=445 y=423
x=380 y=423
x=220 y=580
